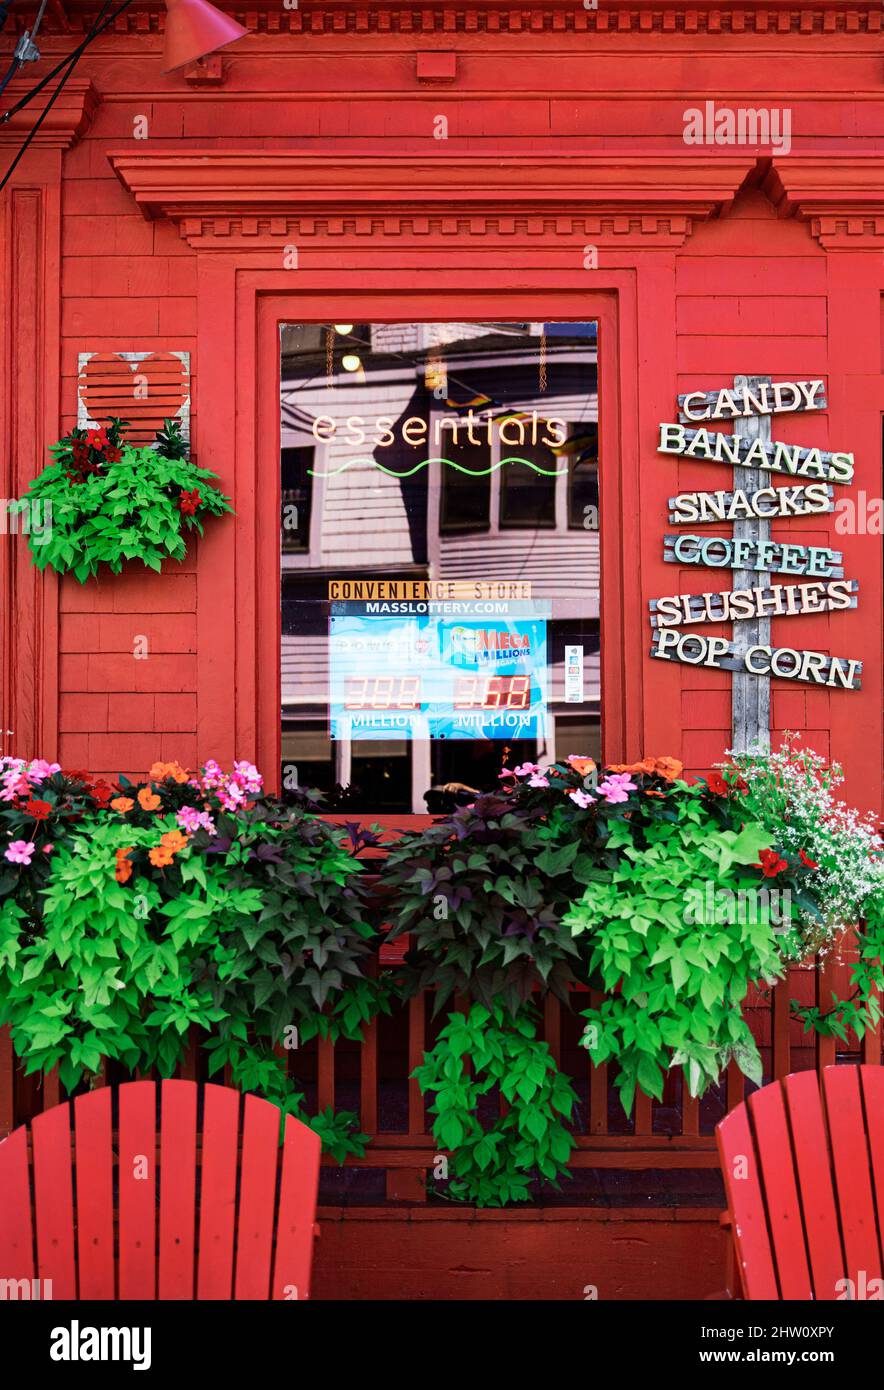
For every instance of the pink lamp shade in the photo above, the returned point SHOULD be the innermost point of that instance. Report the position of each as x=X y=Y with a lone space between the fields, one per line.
x=194 y=28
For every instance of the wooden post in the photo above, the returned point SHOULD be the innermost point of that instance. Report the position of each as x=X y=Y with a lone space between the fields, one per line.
x=750 y=697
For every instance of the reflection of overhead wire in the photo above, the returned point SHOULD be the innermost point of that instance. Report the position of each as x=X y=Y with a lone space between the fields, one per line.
x=413 y=359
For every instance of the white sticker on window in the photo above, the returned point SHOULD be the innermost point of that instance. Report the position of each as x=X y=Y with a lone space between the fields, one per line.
x=573 y=675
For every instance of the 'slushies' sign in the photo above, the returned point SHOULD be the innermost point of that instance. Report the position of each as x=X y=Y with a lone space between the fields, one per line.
x=818 y=470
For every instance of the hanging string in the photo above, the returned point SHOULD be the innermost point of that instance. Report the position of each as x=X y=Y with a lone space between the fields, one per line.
x=543 y=377
x=330 y=356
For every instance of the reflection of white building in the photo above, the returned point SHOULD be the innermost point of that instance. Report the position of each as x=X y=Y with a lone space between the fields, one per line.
x=354 y=451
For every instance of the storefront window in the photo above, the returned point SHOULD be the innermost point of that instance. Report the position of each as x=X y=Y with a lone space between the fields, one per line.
x=439 y=556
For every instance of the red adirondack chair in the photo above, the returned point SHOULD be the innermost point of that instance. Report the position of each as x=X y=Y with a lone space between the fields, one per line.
x=212 y=1210
x=803 y=1170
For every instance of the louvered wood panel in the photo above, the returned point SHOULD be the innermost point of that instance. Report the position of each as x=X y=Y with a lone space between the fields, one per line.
x=144 y=388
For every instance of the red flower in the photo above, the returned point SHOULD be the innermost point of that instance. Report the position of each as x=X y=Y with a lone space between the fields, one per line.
x=38 y=809
x=96 y=439
x=113 y=455
x=717 y=785
x=189 y=501
x=808 y=863
x=101 y=793
x=771 y=863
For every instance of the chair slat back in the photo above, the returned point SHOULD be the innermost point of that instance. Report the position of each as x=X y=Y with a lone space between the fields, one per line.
x=16 y=1217
x=850 y=1151
x=217 y=1230
x=94 y=1158
x=803 y=1167
x=209 y=1203
x=810 y=1146
x=54 y=1201
x=177 y=1190
x=137 y=1186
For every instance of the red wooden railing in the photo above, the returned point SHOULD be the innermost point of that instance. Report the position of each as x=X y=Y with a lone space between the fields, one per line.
x=373 y=1078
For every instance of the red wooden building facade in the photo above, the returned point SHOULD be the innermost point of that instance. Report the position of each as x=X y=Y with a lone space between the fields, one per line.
x=158 y=215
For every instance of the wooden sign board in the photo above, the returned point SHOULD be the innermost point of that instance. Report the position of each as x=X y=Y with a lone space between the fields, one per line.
x=763 y=398
x=712 y=446
x=744 y=553
x=736 y=605
x=783 y=663
x=814 y=499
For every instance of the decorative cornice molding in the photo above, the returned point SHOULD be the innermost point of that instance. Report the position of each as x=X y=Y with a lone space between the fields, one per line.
x=442 y=17
x=252 y=199
x=256 y=196
x=842 y=198
x=68 y=119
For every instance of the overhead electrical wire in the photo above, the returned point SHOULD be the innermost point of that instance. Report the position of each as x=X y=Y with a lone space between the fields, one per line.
x=25 y=49
x=65 y=67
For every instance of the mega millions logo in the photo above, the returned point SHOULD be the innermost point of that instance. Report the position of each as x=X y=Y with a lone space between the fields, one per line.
x=480 y=645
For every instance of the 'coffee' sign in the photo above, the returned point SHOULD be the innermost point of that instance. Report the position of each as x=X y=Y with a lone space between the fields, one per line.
x=827 y=590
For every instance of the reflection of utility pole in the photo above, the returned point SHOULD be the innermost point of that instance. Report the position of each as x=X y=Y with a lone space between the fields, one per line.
x=343 y=761
x=421 y=773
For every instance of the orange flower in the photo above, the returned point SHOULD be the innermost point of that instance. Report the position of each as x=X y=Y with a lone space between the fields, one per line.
x=668 y=768
x=122 y=804
x=582 y=766
x=123 y=871
x=160 y=857
x=173 y=841
x=160 y=771
x=647 y=765
x=148 y=800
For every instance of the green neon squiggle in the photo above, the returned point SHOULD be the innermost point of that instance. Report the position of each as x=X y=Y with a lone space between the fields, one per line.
x=425 y=463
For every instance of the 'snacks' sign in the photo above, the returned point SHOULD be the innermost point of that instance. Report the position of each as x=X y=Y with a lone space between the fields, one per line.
x=828 y=590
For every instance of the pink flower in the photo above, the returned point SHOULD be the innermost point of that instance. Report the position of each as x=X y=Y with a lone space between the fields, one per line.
x=536 y=781
x=582 y=799
x=39 y=770
x=507 y=772
x=616 y=787
x=20 y=851
x=231 y=796
x=248 y=776
x=190 y=819
x=526 y=769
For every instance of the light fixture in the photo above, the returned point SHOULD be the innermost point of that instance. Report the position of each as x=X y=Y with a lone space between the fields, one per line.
x=351 y=363
x=194 y=28
x=344 y=328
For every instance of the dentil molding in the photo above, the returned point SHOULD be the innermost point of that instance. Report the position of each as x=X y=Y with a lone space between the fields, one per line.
x=337 y=17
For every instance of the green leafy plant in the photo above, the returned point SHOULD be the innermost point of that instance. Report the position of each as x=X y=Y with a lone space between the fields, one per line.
x=680 y=926
x=485 y=1051
x=194 y=901
x=106 y=502
x=103 y=975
